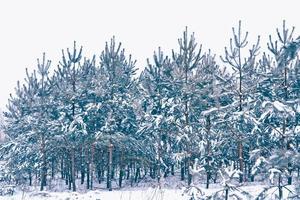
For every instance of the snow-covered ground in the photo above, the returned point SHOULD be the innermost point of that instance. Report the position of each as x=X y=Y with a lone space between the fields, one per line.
x=173 y=189
x=101 y=195
x=124 y=194
x=135 y=193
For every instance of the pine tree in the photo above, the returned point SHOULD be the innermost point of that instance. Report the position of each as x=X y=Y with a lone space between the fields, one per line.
x=156 y=87
x=120 y=119
x=73 y=126
x=244 y=72
x=278 y=106
x=30 y=111
x=209 y=89
x=185 y=62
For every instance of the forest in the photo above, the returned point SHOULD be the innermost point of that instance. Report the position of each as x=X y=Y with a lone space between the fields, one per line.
x=97 y=120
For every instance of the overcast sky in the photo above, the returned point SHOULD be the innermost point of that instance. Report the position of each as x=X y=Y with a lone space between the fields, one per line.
x=30 y=27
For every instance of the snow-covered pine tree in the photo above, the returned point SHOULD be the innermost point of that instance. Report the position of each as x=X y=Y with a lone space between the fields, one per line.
x=185 y=61
x=294 y=93
x=210 y=82
x=68 y=77
x=279 y=92
x=156 y=87
x=29 y=110
x=229 y=189
x=120 y=124
x=20 y=150
x=89 y=103
x=241 y=119
x=42 y=107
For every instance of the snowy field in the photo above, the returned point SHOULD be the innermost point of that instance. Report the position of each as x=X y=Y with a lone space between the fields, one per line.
x=124 y=194
x=173 y=189
x=100 y=195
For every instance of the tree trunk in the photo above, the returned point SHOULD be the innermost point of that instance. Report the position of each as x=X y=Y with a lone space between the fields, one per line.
x=66 y=175
x=109 y=184
x=280 y=187
x=240 y=144
x=226 y=193
x=88 y=175
x=69 y=177
x=182 y=170
x=207 y=179
x=158 y=161
x=137 y=174
x=128 y=172
x=62 y=168
x=121 y=170
x=107 y=177
x=290 y=168
x=30 y=178
x=44 y=164
x=92 y=166
x=52 y=168
x=167 y=171
x=82 y=166
x=208 y=126
x=187 y=166
x=112 y=172
x=120 y=177
x=70 y=182
x=99 y=176
x=73 y=168
x=290 y=173
x=241 y=160
x=172 y=170
x=250 y=173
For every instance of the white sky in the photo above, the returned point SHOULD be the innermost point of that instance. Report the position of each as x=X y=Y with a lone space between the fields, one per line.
x=30 y=27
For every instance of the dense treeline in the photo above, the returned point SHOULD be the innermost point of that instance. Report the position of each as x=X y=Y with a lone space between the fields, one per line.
x=94 y=119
